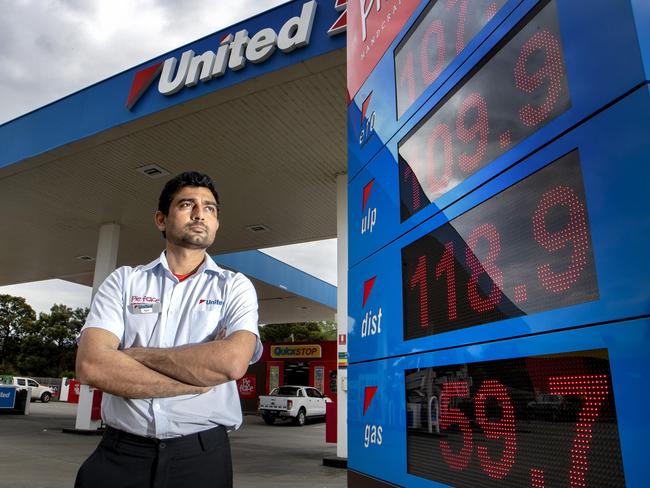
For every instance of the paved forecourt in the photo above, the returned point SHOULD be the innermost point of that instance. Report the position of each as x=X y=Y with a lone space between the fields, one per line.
x=35 y=453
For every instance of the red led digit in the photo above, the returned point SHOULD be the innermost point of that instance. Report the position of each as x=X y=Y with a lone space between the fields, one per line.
x=575 y=232
x=552 y=70
x=491 y=12
x=503 y=429
x=594 y=390
x=450 y=416
x=460 y=30
x=415 y=193
x=521 y=293
x=505 y=139
x=408 y=175
x=429 y=73
x=480 y=129
x=407 y=77
x=437 y=185
x=536 y=478
x=487 y=265
x=446 y=266
x=419 y=280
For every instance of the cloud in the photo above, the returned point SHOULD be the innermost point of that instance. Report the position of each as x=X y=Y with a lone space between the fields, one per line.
x=51 y=48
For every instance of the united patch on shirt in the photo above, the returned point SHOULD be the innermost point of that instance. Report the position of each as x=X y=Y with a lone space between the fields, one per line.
x=208 y=303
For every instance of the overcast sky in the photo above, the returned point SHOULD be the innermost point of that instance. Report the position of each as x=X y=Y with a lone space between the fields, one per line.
x=52 y=48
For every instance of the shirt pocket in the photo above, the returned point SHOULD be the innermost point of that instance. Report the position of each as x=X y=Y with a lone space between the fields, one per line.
x=206 y=325
x=140 y=330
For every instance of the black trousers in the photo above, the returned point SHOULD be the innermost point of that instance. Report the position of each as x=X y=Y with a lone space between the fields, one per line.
x=124 y=460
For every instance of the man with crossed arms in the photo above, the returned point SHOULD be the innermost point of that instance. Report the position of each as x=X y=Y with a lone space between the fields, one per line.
x=166 y=342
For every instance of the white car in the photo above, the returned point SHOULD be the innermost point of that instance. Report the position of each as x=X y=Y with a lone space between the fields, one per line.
x=39 y=392
x=292 y=402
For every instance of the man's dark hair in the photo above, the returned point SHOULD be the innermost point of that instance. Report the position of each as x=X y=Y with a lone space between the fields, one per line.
x=189 y=178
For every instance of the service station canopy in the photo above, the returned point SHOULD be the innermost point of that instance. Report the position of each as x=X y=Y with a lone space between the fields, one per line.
x=260 y=106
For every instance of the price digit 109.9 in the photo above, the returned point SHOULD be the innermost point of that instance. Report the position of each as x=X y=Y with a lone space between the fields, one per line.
x=592 y=389
x=443 y=161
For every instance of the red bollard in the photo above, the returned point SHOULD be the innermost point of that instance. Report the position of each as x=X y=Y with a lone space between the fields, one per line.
x=330 y=422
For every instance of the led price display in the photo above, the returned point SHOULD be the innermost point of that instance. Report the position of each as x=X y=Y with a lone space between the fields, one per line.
x=442 y=32
x=534 y=422
x=525 y=250
x=506 y=98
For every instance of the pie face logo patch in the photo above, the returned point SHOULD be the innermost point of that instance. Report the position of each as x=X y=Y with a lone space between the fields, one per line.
x=144 y=304
x=144 y=299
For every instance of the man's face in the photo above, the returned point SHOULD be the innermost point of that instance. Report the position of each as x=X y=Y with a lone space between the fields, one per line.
x=192 y=220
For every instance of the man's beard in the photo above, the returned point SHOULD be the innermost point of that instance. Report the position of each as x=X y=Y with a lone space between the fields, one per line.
x=191 y=240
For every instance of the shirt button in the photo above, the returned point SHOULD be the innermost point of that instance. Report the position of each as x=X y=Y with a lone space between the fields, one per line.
x=162 y=445
x=156 y=406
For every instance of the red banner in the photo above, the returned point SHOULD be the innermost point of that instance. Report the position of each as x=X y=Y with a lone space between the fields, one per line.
x=372 y=27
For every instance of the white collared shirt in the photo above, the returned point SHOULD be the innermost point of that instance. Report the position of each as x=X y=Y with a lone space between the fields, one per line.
x=147 y=306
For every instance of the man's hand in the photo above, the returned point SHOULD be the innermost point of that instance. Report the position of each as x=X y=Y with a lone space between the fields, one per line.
x=102 y=365
x=207 y=364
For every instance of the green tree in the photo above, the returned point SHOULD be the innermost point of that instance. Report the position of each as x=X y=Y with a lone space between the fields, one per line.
x=49 y=346
x=299 y=332
x=329 y=329
x=16 y=317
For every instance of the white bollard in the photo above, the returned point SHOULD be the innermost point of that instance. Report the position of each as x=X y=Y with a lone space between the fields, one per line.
x=63 y=391
x=84 y=410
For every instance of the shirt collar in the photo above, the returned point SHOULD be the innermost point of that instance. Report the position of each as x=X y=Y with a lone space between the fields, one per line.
x=210 y=265
x=207 y=265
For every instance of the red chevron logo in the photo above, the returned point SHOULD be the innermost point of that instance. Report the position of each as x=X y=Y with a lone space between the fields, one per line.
x=368 y=395
x=367 y=288
x=141 y=81
x=366 y=193
x=341 y=23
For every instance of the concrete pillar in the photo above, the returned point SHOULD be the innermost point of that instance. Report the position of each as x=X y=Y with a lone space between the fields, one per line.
x=106 y=258
x=105 y=263
x=342 y=313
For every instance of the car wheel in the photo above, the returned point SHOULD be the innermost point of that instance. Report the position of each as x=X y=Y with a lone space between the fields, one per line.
x=300 y=418
x=268 y=420
x=46 y=397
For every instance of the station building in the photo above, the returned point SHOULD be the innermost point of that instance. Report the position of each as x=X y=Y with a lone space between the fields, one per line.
x=260 y=106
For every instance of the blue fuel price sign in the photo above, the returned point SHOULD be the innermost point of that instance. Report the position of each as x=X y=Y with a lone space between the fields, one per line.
x=506 y=98
x=535 y=421
x=525 y=250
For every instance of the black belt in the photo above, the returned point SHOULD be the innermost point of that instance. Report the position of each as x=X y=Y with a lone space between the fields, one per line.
x=203 y=438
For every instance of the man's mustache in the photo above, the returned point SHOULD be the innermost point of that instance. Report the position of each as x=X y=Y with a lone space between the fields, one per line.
x=194 y=225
